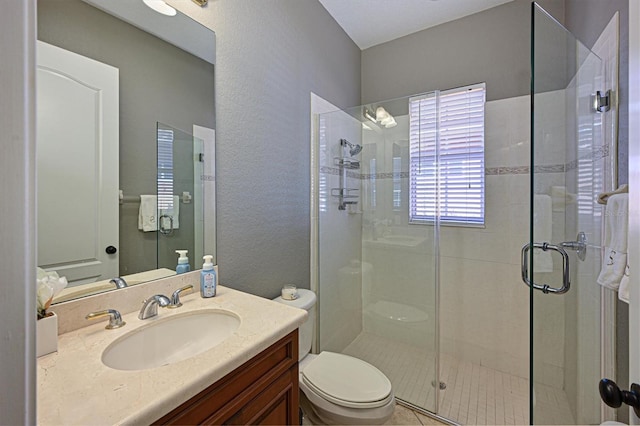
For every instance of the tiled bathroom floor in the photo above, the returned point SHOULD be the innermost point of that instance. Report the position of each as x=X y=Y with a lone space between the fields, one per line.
x=401 y=416
x=474 y=394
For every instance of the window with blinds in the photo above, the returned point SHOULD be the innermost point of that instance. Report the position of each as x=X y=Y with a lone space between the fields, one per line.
x=165 y=169
x=447 y=156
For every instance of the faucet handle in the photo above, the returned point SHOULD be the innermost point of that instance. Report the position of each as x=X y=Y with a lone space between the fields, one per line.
x=175 y=297
x=115 y=319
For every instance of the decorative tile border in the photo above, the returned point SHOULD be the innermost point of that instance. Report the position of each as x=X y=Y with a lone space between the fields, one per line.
x=505 y=170
x=594 y=155
x=550 y=168
x=336 y=171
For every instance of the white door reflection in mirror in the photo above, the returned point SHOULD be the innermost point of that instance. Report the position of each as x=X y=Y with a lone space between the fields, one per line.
x=77 y=154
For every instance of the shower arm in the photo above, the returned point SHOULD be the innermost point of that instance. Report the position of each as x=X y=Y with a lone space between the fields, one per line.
x=354 y=149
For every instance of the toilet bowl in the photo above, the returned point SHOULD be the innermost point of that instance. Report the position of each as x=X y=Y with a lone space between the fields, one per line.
x=339 y=389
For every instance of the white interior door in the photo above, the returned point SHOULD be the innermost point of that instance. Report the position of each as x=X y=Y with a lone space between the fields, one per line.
x=77 y=165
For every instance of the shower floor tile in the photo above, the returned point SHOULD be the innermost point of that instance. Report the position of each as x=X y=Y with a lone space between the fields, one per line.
x=474 y=394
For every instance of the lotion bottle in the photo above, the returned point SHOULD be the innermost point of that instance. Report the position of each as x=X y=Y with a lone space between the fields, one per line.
x=183 y=262
x=208 y=278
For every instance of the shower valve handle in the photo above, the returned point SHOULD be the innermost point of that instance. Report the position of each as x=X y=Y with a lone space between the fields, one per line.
x=614 y=397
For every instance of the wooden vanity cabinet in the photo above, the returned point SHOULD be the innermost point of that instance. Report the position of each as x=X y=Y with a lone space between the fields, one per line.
x=263 y=391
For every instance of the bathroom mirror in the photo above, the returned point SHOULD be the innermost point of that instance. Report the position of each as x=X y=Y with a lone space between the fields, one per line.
x=142 y=79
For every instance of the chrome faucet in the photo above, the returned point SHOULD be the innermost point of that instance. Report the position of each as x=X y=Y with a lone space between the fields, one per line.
x=150 y=306
x=175 y=297
x=119 y=282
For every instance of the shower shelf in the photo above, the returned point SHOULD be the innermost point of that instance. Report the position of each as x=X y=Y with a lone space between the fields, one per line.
x=344 y=192
x=347 y=163
x=346 y=196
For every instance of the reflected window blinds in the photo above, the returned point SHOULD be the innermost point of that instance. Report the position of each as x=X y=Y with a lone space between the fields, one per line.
x=165 y=169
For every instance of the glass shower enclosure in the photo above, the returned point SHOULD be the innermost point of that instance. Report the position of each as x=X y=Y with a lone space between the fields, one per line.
x=377 y=272
x=439 y=305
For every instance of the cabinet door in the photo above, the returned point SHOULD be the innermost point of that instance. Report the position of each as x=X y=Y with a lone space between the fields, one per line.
x=275 y=405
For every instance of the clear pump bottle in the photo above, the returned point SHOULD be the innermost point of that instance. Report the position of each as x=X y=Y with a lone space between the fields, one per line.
x=183 y=262
x=208 y=278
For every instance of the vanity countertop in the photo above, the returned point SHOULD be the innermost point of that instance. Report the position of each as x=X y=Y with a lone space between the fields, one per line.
x=75 y=387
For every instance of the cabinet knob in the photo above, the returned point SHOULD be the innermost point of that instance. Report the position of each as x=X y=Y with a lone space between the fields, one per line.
x=614 y=397
x=111 y=250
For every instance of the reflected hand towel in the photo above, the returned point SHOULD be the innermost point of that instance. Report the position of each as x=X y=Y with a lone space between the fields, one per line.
x=147 y=216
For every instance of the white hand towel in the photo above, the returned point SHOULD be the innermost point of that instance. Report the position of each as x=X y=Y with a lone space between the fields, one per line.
x=623 y=291
x=542 y=221
x=147 y=220
x=616 y=225
x=173 y=213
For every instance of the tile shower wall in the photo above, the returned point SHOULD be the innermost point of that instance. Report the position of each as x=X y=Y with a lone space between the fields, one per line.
x=340 y=233
x=484 y=306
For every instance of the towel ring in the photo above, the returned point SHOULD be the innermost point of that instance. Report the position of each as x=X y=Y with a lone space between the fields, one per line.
x=163 y=230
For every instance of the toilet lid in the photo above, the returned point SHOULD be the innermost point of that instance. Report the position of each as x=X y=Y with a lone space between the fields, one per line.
x=347 y=381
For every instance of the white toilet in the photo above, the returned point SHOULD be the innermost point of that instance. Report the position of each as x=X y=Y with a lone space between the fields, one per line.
x=340 y=389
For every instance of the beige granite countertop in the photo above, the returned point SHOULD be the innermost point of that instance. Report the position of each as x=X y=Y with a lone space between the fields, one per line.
x=76 y=388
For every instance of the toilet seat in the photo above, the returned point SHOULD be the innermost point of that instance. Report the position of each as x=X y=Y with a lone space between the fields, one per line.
x=347 y=381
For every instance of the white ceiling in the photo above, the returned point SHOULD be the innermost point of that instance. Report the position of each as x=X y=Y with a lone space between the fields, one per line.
x=371 y=22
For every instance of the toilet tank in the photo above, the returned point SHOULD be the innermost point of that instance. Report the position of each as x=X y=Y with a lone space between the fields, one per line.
x=306 y=300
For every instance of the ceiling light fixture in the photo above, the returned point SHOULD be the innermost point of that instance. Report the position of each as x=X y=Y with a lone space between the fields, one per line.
x=368 y=115
x=161 y=7
x=385 y=118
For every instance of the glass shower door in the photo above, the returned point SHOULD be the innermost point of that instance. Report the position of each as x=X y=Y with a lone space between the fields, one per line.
x=567 y=172
x=180 y=193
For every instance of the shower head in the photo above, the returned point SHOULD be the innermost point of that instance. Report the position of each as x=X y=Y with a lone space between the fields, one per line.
x=354 y=149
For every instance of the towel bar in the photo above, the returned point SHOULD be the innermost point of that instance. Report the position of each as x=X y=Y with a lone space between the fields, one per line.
x=185 y=198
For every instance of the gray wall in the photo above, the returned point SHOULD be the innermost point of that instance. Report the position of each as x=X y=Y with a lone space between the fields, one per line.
x=270 y=55
x=158 y=82
x=491 y=46
x=17 y=189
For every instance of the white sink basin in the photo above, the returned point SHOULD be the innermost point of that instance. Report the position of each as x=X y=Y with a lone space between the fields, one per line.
x=172 y=339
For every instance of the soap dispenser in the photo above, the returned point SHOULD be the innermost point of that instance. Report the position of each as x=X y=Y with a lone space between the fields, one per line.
x=208 y=278
x=183 y=262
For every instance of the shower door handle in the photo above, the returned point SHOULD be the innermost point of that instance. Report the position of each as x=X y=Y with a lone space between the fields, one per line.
x=545 y=288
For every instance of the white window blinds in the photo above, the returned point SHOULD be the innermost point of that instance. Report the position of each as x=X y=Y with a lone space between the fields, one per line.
x=447 y=156
x=165 y=169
